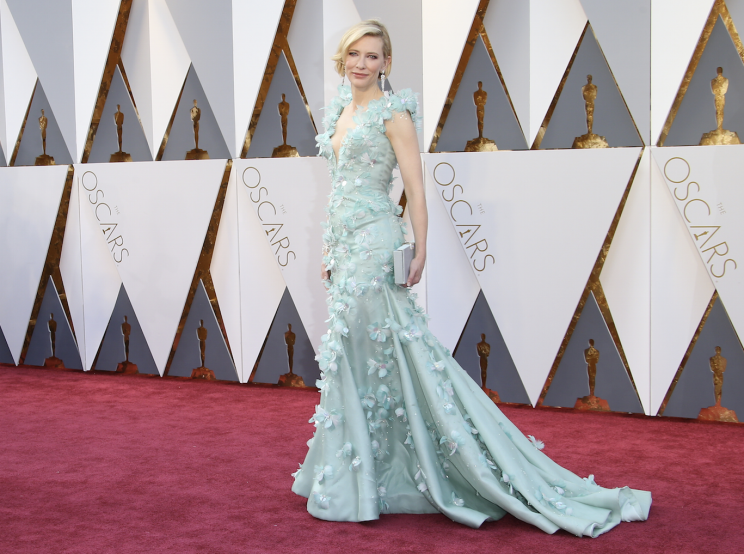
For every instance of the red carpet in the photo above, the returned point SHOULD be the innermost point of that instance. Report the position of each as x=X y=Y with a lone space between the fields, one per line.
x=132 y=464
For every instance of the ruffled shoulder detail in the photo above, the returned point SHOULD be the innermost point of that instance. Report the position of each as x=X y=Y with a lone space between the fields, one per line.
x=403 y=100
x=332 y=113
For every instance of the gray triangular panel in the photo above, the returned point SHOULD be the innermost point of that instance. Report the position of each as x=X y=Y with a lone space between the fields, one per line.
x=300 y=131
x=40 y=346
x=106 y=141
x=695 y=389
x=571 y=379
x=502 y=375
x=5 y=355
x=31 y=144
x=188 y=354
x=500 y=123
x=611 y=117
x=181 y=137
x=3 y=161
x=697 y=112
x=112 y=351
x=274 y=362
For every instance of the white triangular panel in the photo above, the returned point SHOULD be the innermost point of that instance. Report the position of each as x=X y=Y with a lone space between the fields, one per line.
x=94 y=265
x=207 y=35
x=29 y=202
x=161 y=212
x=508 y=27
x=46 y=29
x=254 y=28
x=93 y=24
x=290 y=212
x=19 y=78
x=625 y=279
x=555 y=29
x=156 y=62
x=249 y=297
x=680 y=285
x=445 y=28
x=338 y=16
x=533 y=264
x=713 y=210
x=623 y=30
x=305 y=40
x=675 y=30
x=451 y=286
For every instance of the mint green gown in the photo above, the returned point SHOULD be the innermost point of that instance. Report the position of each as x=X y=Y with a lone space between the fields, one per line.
x=401 y=427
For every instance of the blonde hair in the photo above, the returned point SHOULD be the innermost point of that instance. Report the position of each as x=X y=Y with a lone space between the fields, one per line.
x=371 y=27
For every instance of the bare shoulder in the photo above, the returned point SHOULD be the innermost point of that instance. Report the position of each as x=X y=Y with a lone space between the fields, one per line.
x=400 y=125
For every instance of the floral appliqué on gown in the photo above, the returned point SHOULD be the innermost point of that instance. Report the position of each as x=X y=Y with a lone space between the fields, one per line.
x=401 y=427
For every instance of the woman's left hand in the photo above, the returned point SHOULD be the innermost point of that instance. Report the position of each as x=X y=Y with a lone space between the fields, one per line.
x=417 y=268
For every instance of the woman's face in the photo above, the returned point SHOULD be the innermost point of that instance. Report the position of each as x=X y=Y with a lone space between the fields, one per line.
x=364 y=62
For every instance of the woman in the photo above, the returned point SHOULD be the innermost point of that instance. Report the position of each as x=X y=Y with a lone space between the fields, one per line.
x=401 y=428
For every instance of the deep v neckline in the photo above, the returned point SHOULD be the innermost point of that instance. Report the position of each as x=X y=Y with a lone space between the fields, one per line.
x=337 y=155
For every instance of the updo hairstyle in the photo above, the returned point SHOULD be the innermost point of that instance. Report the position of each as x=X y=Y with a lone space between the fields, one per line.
x=371 y=27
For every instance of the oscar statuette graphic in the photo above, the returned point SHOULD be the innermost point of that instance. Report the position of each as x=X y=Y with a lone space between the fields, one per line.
x=484 y=351
x=119 y=156
x=718 y=413
x=591 y=402
x=480 y=144
x=44 y=159
x=202 y=372
x=290 y=379
x=126 y=366
x=589 y=140
x=196 y=153
x=719 y=87
x=53 y=360
x=284 y=150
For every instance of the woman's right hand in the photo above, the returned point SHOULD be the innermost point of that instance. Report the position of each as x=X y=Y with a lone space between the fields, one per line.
x=324 y=273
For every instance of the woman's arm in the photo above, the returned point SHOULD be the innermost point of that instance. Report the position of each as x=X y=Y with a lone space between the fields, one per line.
x=402 y=134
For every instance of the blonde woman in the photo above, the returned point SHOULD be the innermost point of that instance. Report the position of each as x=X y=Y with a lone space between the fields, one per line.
x=401 y=428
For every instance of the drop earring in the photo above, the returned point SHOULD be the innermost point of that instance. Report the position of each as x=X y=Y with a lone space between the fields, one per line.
x=343 y=79
x=382 y=82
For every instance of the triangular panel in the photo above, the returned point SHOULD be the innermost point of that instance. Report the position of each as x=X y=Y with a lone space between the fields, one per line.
x=451 y=287
x=571 y=380
x=113 y=349
x=575 y=194
x=46 y=29
x=624 y=31
x=106 y=141
x=445 y=28
x=501 y=373
x=208 y=37
x=32 y=143
x=680 y=286
x=29 y=203
x=676 y=27
x=499 y=122
x=181 y=136
x=158 y=220
x=697 y=112
x=705 y=185
x=611 y=117
x=5 y=356
x=274 y=360
x=248 y=298
x=40 y=348
x=695 y=388
x=93 y=23
x=300 y=130
x=19 y=79
x=290 y=215
x=305 y=40
x=625 y=279
x=188 y=353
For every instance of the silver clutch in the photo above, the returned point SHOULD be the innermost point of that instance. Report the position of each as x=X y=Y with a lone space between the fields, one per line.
x=402 y=258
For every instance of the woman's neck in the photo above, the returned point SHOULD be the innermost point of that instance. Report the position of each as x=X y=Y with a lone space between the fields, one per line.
x=362 y=97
